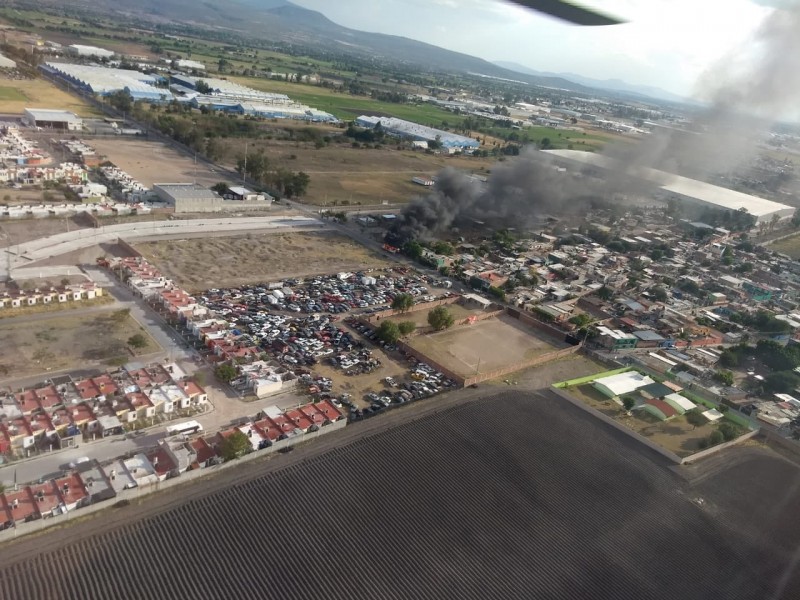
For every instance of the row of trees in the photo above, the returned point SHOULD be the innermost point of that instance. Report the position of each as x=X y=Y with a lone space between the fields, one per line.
x=257 y=167
x=439 y=318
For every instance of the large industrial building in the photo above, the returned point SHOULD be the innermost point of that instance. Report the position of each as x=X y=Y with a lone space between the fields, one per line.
x=104 y=81
x=227 y=96
x=47 y=118
x=194 y=198
x=683 y=188
x=414 y=131
x=81 y=50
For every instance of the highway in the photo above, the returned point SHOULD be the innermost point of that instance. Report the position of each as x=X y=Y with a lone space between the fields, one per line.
x=23 y=255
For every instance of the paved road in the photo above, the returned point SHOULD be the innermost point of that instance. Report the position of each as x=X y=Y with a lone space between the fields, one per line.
x=22 y=255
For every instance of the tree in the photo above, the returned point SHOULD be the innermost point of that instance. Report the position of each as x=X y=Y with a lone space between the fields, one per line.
x=221 y=188
x=121 y=100
x=782 y=382
x=225 y=372
x=715 y=438
x=202 y=87
x=581 y=320
x=628 y=403
x=402 y=302
x=724 y=376
x=407 y=327
x=235 y=445
x=440 y=318
x=137 y=341
x=659 y=293
x=695 y=418
x=605 y=293
x=729 y=431
x=388 y=332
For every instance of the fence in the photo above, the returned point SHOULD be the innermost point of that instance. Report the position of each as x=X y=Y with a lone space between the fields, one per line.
x=369 y=319
x=513 y=368
x=186 y=477
x=404 y=347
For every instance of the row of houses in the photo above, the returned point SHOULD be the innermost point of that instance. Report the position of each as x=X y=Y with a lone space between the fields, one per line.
x=63 y=411
x=90 y=482
x=53 y=295
x=16 y=149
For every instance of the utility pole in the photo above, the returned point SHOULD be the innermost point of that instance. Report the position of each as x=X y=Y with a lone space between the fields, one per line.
x=244 y=170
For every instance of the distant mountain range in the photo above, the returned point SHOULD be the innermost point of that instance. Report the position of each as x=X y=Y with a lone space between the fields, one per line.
x=616 y=85
x=284 y=21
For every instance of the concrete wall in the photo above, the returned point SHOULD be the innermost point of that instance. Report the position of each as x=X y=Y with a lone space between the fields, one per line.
x=371 y=319
x=136 y=493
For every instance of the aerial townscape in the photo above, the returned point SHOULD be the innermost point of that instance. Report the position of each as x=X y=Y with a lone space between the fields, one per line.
x=275 y=291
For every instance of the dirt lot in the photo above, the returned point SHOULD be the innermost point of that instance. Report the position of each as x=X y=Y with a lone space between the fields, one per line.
x=152 y=162
x=789 y=246
x=342 y=173
x=676 y=435
x=484 y=346
x=13 y=197
x=199 y=264
x=19 y=231
x=53 y=342
x=20 y=94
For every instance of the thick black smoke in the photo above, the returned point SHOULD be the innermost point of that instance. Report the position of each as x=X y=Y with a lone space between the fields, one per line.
x=746 y=96
x=518 y=193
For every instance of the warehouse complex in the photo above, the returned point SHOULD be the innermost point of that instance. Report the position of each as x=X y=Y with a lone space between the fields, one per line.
x=683 y=188
x=230 y=97
x=414 y=131
x=52 y=119
x=194 y=198
x=104 y=81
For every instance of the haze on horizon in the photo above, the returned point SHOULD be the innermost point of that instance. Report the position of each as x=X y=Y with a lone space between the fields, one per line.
x=669 y=44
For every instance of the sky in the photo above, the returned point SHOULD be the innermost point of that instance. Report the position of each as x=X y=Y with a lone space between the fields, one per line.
x=672 y=44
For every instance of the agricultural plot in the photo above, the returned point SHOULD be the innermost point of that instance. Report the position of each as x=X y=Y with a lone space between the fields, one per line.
x=485 y=346
x=152 y=162
x=506 y=497
x=200 y=264
x=18 y=94
x=54 y=342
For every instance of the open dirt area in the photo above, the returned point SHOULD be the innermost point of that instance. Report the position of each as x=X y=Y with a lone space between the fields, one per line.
x=420 y=317
x=676 y=435
x=152 y=162
x=54 y=342
x=18 y=94
x=484 y=346
x=789 y=246
x=340 y=173
x=199 y=264
x=19 y=231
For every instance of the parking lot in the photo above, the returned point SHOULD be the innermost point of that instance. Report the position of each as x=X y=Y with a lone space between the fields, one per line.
x=305 y=330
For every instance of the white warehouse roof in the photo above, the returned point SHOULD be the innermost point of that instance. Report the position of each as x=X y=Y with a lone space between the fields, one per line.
x=50 y=114
x=622 y=383
x=714 y=195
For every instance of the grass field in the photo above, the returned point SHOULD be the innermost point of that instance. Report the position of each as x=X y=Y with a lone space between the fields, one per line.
x=789 y=246
x=485 y=346
x=513 y=497
x=53 y=342
x=199 y=264
x=18 y=94
x=341 y=173
x=347 y=107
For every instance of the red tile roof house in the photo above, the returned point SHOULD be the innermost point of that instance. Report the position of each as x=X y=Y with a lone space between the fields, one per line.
x=72 y=491
x=21 y=505
x=299 y=420
x=205 y=453
x=46 y=499
x=162 y=463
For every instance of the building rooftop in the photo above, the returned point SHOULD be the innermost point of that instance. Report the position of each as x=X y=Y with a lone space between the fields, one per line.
x=52 y=114
x=186 y=190
x=623 y=383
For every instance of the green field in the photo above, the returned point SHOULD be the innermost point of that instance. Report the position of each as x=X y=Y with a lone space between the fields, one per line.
x=12 y=95
x=347 y=107
x=789 y=246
